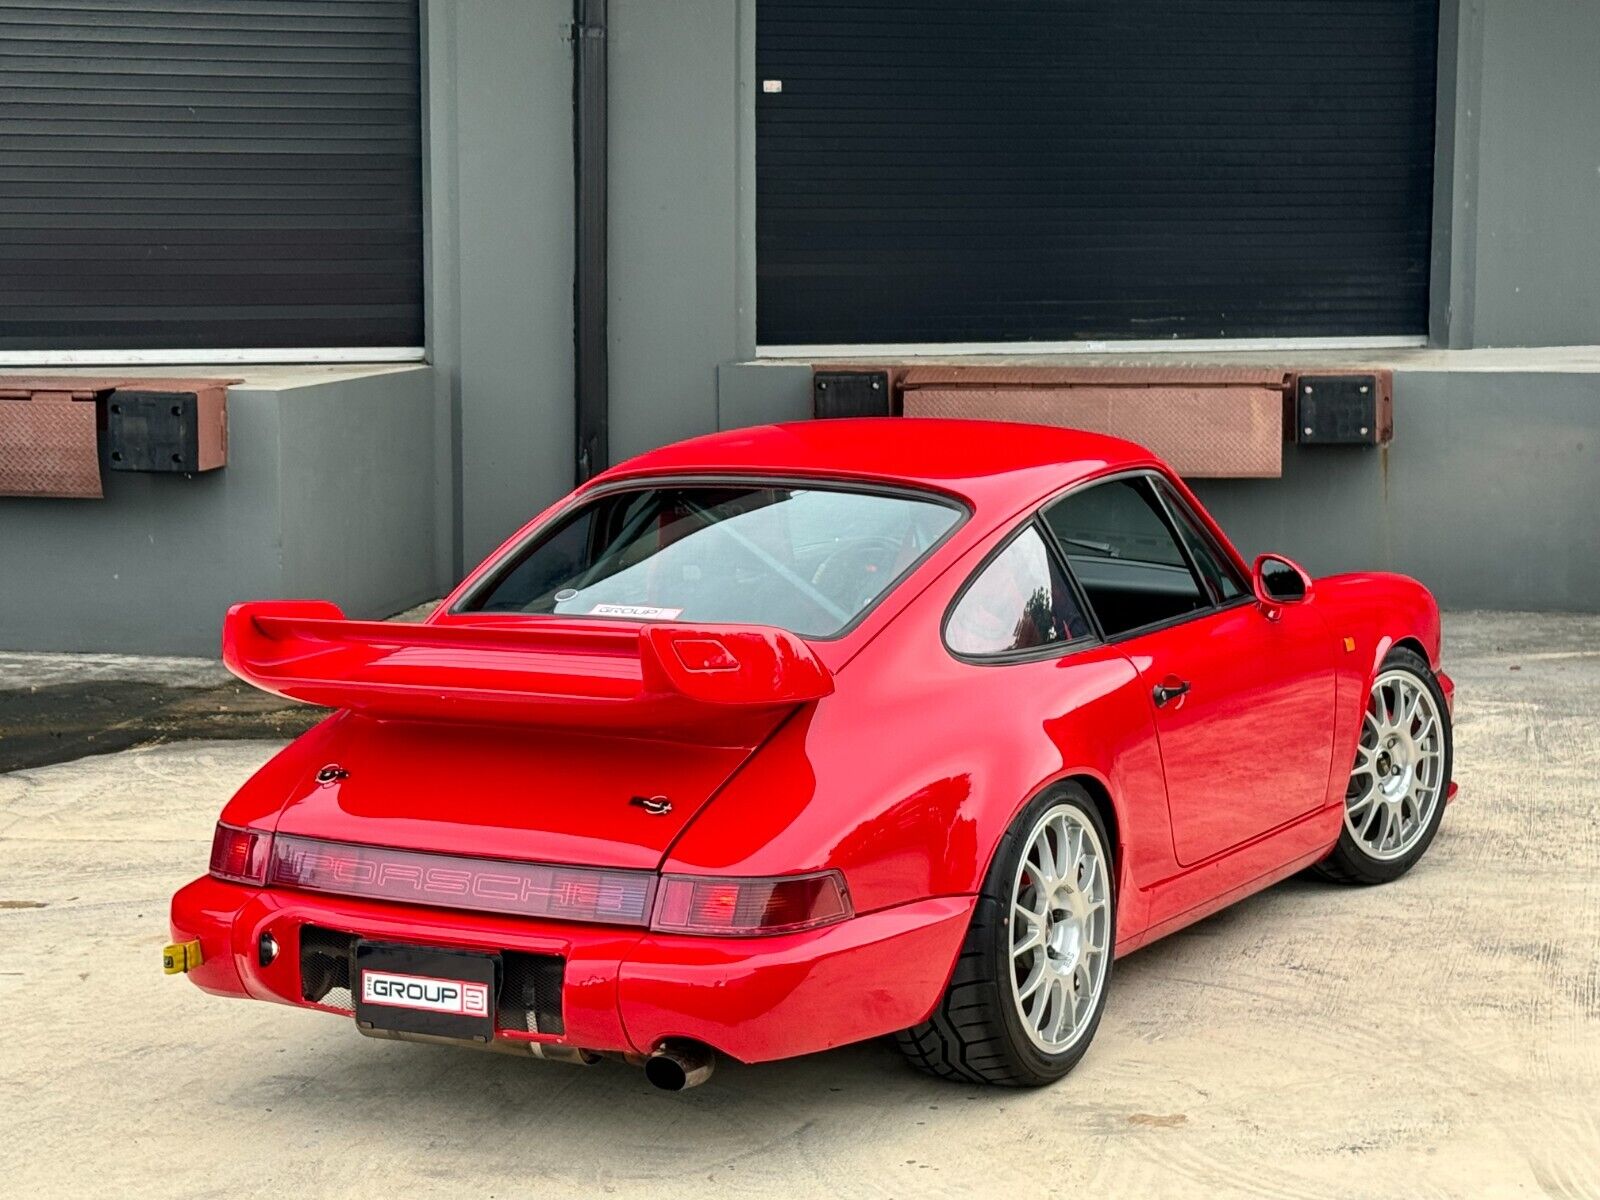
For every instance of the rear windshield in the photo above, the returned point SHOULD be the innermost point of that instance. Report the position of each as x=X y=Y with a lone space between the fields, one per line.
x=809 y=560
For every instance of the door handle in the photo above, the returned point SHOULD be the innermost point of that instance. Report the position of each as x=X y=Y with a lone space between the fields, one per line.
x=1170 y=691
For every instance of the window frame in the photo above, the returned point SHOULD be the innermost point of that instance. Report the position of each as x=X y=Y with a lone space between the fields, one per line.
x=1177 y=509
x=1160 y=484
x=506 y=558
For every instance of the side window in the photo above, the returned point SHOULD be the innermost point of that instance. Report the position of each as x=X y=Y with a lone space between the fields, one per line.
x=1219 y=572
x=1020 y=601
x=1124 y=555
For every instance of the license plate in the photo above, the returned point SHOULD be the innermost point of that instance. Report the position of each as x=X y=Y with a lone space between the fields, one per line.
x=416 y=989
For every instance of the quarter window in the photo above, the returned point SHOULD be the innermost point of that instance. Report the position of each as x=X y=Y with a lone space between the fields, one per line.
x=1124 y=555
x=1020 y=601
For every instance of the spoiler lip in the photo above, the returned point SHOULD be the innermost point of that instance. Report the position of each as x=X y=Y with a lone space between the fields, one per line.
x=543 y=670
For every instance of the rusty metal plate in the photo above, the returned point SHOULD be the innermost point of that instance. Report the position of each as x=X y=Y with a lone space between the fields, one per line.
x=1204 y=431
x=1077 y=375
x=48 y=447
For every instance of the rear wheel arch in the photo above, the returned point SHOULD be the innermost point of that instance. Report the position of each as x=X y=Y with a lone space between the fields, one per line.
x=1099 y=793
x=1107 y=808
x=978 y=1032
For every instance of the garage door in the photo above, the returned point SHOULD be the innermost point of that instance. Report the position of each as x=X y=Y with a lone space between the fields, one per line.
x=935 y=171
x=192 y=174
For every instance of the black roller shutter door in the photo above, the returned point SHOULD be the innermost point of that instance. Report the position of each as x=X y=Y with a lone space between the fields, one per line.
x=946 y=171
x=199 y=174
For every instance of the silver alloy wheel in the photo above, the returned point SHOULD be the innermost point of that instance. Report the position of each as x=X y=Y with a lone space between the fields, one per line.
x=1398 y=778
x=1060 y=928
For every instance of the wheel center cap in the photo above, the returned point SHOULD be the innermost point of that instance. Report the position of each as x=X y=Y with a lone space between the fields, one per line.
x=1393 y=765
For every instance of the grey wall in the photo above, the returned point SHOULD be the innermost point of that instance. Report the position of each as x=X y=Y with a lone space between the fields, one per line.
x=1525 y=171
x=328 y=494
x=153 y=566
x=355 y=491
x=756 y=393
x=500 y=188
x=500 y=220
x=680 y=303
x=1488 y=493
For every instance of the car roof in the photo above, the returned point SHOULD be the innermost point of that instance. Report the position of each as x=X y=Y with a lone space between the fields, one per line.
x=977 y=460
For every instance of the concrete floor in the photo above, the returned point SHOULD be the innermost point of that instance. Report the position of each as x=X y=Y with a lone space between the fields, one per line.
x=1440 y=1036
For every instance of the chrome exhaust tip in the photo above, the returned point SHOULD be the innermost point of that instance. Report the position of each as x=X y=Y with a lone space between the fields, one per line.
x=678 y=1065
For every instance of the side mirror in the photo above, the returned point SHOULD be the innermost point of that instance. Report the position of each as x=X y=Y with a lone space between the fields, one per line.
x=1278 y=581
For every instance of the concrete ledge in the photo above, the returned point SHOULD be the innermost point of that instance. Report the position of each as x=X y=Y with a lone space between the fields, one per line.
x=328 y=493
x=1510 y=358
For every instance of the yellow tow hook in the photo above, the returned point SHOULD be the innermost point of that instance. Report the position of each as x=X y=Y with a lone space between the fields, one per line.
x=180 y=957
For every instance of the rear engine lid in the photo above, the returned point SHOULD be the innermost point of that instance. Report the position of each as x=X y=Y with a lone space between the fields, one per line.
x=580 y=742
x=506 y=792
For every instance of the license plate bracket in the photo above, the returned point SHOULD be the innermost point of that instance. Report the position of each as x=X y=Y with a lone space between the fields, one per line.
x=424 y=990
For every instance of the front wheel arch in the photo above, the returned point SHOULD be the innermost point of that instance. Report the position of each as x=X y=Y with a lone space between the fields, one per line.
x=1349 y=861
x=1408 y=642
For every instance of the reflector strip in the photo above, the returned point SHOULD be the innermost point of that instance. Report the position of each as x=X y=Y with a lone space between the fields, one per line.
x=522 y=889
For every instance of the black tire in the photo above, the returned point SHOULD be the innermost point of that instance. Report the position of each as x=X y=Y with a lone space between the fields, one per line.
x=1350 y=861
x=976 y=1035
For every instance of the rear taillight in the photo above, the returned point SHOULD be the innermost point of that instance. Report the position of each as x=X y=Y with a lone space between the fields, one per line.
x=743 y=907
x=240 y=854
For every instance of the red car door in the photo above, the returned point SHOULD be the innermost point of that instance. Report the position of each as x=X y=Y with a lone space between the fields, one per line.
x=1249 y=744
x=1243 y=702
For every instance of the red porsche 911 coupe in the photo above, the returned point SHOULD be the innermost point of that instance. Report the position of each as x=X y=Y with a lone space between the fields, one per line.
x=783 y=738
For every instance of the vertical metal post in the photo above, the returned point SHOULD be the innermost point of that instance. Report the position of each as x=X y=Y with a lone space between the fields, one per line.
x=591 y=368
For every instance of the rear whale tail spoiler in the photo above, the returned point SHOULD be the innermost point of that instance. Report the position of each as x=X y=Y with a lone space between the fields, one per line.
x=531 y=670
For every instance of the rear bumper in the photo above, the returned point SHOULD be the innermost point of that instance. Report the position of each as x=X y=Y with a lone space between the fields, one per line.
x=624 y=990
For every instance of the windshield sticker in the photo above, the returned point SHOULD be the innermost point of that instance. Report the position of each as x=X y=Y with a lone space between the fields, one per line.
x=639 y=612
